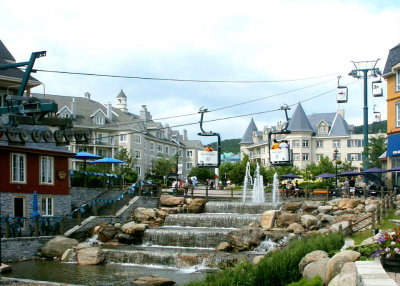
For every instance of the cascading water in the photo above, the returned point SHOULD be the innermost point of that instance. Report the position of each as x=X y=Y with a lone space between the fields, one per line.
x=258 y=187
x=276 y=198
x=248 y=180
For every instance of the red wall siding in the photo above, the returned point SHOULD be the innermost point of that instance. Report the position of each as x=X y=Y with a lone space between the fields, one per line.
x=60 y=187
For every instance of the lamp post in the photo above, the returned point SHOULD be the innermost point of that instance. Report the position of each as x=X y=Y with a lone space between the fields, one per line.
x=336 y=151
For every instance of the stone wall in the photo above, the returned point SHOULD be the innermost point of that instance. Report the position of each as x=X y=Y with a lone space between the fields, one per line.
x=80 y=195
x=22 y=247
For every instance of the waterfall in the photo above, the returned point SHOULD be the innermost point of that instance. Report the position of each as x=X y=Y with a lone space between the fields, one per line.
x=275 y=190
x=247 y=180
x=258 y=187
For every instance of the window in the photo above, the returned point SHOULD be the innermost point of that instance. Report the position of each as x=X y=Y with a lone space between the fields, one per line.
x=306 y=143
x=188 y=165
x=174 y=151
x=46 y=170
x=180 y=152
x=398 y=80
x=296 y=143
x=336 y=143
x=47 y=206
x=137 y=154
x=354 y=157
x=397 y=110
x=159 y=148
x=322 y=129
x=145 y=145
x=296 y=157
x=189 y=153
x=167 y=150
x=18 y=169
x=262 y=150
x=319 y=156
x=354 y=143
x=338 y=156
x=122 y=137
x=151 y=146
x=319 y=144
x=137 y=139
x=305 y=156
x=137 y=169
x=98 y=119
x=102 y=152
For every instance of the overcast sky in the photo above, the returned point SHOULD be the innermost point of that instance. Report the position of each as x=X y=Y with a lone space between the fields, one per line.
x=207 y=40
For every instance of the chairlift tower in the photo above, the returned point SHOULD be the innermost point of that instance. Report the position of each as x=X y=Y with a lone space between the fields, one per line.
x=365 y=69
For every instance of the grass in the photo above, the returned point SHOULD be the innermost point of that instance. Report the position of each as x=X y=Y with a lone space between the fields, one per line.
x=277 y=268
x=385 y=224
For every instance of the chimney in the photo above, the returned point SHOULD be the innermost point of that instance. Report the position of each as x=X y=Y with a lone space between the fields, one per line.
x=109 y=111
x=144 y=114
x=73 y=108
x=87 y=95
x=341 y=112
x=185 y=138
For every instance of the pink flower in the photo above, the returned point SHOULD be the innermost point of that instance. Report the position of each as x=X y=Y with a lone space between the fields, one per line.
x=388 y=255
x=393 y=243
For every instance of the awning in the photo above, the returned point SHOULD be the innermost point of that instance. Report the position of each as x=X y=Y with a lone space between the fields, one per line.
x=393 y=147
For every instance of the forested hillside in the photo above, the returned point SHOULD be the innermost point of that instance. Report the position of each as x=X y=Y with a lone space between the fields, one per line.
x=228 y=145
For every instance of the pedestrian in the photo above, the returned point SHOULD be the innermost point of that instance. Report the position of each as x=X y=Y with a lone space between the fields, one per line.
x=345 y=188
x=352 y=184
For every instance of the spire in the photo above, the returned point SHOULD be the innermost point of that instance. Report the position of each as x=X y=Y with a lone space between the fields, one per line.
x=339 y=126
x=248 y=134
x=299 y=120
x=122 y=101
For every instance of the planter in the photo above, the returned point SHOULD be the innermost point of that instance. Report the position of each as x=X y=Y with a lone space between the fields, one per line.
x=391 y=264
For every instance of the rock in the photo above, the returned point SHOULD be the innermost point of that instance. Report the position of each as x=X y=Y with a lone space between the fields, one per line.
x=336 y=263
x=223 y=246
x=335 y=227
x=348 y=275
x=285 y=219
x=296 y=228
x=267 y=219
x=308 y=220
x=349 y=203
x=325 y=218
x=370 y=208
x=96 y=230
x=316 y=268
x=197 y=205
x=347 y=217
x=275 y=235
x=257 y=259
x=132 y=227
x=245 y=238
x=83 y=245
x=397 y=213
x=117 y=225
x=153 y=280
x=335 y=281
x=309 y=206
x=127 y=238
x=186 y=260
x=143 y=214
x=162 y=214
x=168 y=200
x=107 y=233
x=291 y=206
x=254 y=224
x=57 y=246
x=67 y=255
x=4 y=268
x=324 y=209
x=90 y=256
x=312 y=257
x=171 y=210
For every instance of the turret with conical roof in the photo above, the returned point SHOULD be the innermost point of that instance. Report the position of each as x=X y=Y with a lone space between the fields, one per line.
x=122 y=101
x=248 y=134
x=299 y=121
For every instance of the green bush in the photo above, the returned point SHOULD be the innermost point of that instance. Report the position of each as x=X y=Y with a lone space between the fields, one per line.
x=277 y=268
x=366 y=251
x=317 y=281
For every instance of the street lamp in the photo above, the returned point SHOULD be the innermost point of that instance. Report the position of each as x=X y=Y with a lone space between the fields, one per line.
x=336 y=151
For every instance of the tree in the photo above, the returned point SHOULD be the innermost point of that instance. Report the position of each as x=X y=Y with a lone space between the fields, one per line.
x=126 y=170
x=202 y=174
x=162 y=167
x=376 y=147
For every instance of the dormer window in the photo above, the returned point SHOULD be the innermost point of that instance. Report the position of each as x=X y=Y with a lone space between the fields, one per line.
x=322 y=128
x=99 y=119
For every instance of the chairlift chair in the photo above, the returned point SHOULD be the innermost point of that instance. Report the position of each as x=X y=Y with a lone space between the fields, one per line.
x=280 y=157
x=342 y=95
x=376 y=89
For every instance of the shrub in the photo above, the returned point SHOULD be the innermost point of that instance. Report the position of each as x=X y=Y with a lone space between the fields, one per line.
x=278 y=267
x=317 y=281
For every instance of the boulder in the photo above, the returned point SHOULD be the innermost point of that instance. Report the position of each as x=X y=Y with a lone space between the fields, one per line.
x=267 y=219
x=186 y=260
x=174 y=210
x=223 y=246
x=197 y=206
x=153 y=280
x=90 y=256
x=310 y=206
x=348 y=274
x=67 y=255
x=168 y=200
x=132 y=227
x=257 y=259
x=316 y=268
x=285 y=219
x=143 y=214
x=291 y=206
x=296 y=228
x=127 y=238
x=162 y=214
x=335 y=281
x=370 y=208
x=336 y=263
x=96 y=230
x=57 y=246
x=335 y=227
x=245 y=238
x=254 y=224
x=349 y=203
x=324 y=209
x=397 y=213
x=347 y=217
x=308 y=220
x=326 y=219
x=107 y=233
x=312 y=257
x=83 y=245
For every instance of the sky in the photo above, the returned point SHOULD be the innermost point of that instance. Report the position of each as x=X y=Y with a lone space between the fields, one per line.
x=286 y=51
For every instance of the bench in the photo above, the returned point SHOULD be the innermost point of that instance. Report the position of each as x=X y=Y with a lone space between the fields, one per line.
x=322 y=192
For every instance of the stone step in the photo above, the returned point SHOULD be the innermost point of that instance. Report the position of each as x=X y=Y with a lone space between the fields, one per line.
x=211 y=220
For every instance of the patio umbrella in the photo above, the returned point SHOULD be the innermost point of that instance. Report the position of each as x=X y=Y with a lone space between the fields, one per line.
x=85 y=156
x=326 y=176
x=395 y=169
x=374 y=170
x=290 y=176
x=108 y=160
x=349 y=174
x=35 y=206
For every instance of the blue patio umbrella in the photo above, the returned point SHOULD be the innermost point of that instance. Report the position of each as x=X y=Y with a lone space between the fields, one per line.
x=374 y=170
x=395 y=169
x=326 y=176
x=290 y=176
x=35 y=206
x=85 y=156
x=108 y=160
x=349 y=174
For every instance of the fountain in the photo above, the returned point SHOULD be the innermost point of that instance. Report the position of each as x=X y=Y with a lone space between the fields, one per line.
x=258 y=187
x=247 y=180
x=276 y=199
